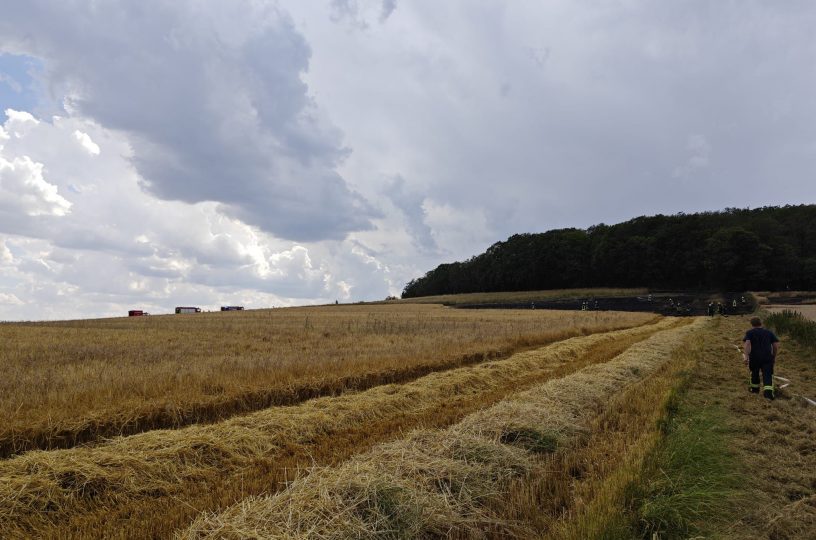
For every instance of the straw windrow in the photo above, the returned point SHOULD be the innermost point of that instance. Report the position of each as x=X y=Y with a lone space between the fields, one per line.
x=438 y=482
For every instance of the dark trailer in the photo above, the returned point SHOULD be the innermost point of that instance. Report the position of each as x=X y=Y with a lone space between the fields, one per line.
x=232 y=308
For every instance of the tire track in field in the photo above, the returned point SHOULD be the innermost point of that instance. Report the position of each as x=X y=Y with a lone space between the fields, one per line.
x=153 y=483
x=92 y=430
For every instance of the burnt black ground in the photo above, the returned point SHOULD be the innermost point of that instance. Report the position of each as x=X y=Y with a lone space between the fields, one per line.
x=674 y=304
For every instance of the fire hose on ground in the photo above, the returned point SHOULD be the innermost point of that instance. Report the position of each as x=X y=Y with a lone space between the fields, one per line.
x=787 y=382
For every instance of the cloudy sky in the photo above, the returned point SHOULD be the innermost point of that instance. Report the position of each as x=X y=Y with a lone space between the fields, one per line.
x=177 y=152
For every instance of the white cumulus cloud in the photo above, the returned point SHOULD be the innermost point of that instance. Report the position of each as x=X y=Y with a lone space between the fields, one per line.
x=86 y=142
x=211 y=99
x=5 y=253
x=119 y=246
x=23 y=189
x=9 y=299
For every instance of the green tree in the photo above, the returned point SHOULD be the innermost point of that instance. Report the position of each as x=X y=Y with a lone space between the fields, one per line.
x=736 y=259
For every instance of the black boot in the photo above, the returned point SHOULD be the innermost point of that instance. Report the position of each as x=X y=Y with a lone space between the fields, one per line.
x=768 y=394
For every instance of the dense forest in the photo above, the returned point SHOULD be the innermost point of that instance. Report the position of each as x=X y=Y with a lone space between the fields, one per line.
x=771 y=248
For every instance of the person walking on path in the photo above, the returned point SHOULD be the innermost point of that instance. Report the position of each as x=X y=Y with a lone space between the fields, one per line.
x=760 y=347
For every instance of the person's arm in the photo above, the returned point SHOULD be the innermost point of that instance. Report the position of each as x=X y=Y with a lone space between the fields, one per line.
x=775 y=348
x=746 y=347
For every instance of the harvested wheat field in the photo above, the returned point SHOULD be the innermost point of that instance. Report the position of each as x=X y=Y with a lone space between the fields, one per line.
x=572 y=438
x=66 y=383
x=153 y=481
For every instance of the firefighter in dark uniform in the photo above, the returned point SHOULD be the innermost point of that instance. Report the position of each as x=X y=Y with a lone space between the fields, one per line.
x=760 y=349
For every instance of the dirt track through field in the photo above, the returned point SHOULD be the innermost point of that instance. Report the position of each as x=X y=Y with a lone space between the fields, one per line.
x=150 y=484
x=774 y=440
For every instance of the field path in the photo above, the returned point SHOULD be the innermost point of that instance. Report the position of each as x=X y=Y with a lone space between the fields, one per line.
x=775 y=441
x=724 y=463
x=152 y=483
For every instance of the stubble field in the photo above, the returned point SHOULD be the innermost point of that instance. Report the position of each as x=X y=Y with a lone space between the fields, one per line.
x=384 y=421
x=66 y=383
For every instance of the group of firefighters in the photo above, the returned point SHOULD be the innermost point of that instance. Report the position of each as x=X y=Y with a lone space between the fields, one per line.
x=588 y=305
x=719 y=308
x=722 y=309
x=760 y=346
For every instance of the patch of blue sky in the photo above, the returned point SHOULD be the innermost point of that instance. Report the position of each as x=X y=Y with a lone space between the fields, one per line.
x=19 y=86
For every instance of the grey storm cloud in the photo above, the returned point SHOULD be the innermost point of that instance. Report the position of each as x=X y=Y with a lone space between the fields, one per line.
x=469 y=121
x=211 y=98
x=410 y=203
x=353 y=11
x=388 y=7
x=555 y=114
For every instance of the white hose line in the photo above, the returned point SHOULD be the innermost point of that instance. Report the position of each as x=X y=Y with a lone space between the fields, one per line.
x=787 y=383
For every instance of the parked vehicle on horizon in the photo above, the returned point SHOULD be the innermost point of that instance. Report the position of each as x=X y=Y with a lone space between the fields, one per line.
x=188 y=310
x=232 y=308
x=137 y=313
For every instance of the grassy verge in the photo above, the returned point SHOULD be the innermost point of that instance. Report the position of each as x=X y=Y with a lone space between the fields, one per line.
x=720 y=463
x=690 y=481
x=793 y=324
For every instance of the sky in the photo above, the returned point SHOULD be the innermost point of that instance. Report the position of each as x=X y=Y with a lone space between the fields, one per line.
x=247 y=152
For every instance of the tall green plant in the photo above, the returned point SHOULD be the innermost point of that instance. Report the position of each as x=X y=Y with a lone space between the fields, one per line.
x=795 y=325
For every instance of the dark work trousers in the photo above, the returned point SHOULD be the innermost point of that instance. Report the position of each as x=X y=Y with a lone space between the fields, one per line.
x=766 y=366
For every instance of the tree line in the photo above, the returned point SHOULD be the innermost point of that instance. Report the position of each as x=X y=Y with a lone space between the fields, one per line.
x=770 y=248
